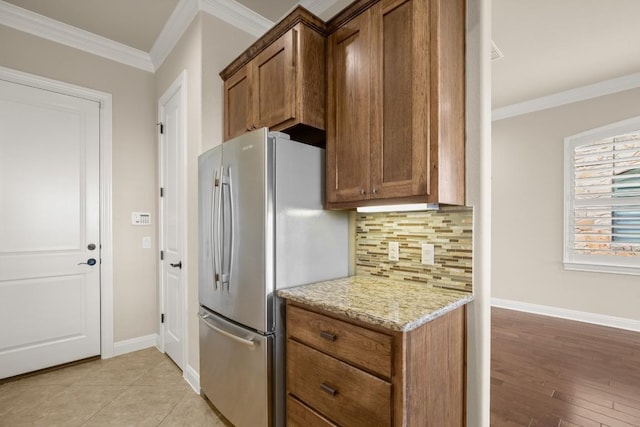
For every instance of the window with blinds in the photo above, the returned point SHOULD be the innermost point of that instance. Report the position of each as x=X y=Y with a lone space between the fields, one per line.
x=602 y=199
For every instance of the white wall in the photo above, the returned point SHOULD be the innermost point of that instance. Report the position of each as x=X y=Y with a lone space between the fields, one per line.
x=528 y=211
x=134 y=171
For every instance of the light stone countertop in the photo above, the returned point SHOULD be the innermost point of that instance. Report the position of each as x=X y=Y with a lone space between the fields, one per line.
x=394 y=305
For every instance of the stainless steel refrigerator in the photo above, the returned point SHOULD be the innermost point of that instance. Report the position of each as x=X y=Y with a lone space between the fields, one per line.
x=261 y=228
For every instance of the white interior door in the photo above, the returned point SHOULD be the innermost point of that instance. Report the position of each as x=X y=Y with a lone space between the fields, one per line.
x=172 y=222
x=49 y=229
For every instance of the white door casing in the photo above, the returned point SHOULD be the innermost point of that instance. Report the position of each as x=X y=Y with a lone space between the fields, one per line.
x=49 y=228
x=172 y=112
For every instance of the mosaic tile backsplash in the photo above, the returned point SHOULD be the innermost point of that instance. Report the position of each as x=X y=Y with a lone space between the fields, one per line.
x=449 y=230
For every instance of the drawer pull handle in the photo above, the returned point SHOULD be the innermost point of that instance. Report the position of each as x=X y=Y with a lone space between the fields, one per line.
x=327 y=336
x=329 y=390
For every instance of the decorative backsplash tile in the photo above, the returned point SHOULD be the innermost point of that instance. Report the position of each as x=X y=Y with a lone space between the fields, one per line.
x=449 y=230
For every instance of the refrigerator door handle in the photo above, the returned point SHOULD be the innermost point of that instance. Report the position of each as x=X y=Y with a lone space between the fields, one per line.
x=227 y=255
x=220 y=236
x=246 y=341
x=214 y=252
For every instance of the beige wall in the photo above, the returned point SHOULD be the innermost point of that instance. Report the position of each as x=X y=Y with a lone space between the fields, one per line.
x=528 y=211
x=134 y=174
x=207 y=46
x=221 y=44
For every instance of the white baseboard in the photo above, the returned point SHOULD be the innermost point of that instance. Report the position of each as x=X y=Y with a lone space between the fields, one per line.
x=192 y=377
x=134 y=344
x=580 y=316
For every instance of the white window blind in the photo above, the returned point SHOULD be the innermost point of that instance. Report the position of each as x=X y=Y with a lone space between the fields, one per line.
x=602 y=199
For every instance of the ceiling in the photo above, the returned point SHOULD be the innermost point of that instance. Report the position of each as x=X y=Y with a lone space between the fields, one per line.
x=548 y=45
x=556 y=45
x=135 y=23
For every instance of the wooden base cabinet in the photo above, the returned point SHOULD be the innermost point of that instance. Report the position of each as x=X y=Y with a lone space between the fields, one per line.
x=395 y=104
x=279 y=82
x=346 y=373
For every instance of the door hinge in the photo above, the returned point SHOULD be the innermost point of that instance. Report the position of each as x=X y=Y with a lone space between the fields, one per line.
x=161 y=127
x=161 y=255
x=162 y=318
x=161 y=192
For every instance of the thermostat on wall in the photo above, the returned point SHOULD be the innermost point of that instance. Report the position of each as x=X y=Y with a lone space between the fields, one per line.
x=140 y=218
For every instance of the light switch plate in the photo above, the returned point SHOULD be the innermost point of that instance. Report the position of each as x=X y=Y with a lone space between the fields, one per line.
x=394 y=251
x=428 y=254
x=146 y=242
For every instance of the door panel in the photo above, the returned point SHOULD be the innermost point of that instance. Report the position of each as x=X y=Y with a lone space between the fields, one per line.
x=209 y=164
x=172 y=218
x=274 y=82
x=400 y=102
x=237 y=111
x=235 y=371
x=348 y=123
x=49 y=214
x=244 y=297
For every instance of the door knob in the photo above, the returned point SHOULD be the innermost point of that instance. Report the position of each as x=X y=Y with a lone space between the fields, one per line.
x=90 y=261
x=177 y=264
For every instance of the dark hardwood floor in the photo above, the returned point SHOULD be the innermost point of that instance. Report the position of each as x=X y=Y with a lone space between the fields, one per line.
x=547 y=371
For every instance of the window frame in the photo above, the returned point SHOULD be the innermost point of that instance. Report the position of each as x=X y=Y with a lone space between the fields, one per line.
x=592 y=262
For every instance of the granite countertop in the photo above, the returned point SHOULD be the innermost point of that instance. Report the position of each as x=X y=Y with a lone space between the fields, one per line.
x=394 y=305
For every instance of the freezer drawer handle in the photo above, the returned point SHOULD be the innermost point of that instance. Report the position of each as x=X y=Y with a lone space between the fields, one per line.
x=329 y=390
x=327 y=336
x=244 y=341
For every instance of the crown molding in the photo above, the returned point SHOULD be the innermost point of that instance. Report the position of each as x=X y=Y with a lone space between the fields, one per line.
x=317 y=7
x=174 y=28
x=50 y=29
x=237 y=15
x=583 y=93
x=229 y=11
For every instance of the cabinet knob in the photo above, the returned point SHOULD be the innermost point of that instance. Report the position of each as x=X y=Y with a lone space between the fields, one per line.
x=362 y=192
x=374 y=191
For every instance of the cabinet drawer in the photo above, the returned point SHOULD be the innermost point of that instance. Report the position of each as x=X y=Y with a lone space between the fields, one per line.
x=341 y=392
x=300 y=415
x=360 y=346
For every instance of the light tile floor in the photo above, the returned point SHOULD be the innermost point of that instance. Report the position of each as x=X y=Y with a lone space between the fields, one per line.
x=143 y=388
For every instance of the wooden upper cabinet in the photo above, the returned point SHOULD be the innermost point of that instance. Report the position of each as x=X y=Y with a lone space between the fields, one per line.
x=349 y=121
x=282 y=79
x=410 y=116
x=237 y=105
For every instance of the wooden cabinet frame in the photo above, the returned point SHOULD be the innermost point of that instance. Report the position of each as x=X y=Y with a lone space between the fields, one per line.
x=283 y=75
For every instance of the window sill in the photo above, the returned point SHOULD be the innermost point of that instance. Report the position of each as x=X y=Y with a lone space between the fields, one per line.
x=602 y=268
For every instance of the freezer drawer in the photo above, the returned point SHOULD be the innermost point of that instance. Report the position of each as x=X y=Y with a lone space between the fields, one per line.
x=236 y=370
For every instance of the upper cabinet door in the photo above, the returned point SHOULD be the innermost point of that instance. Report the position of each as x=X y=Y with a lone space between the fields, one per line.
x=348 y=107
x=237 y=117
x=395 y=122
x=400 y=99
x=273 y=74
